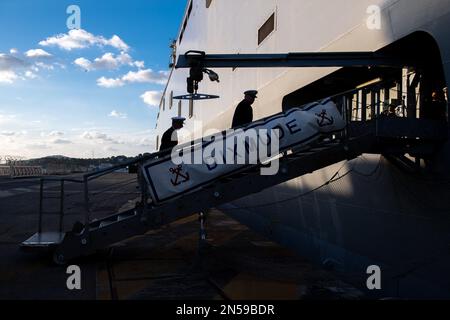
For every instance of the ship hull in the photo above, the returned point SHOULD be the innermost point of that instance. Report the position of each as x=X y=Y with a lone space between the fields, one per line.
x=376 y=214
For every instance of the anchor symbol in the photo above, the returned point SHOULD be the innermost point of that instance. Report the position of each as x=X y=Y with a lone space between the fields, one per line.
x=324 y=120
x=178 y=171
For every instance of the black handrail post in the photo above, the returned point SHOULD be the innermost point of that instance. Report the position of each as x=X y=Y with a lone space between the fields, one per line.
x=140 y=178
x=41 y=199
x=86 y=203
x=348 y=114
x=364 y=105
x=61 y=208
x=376 y=107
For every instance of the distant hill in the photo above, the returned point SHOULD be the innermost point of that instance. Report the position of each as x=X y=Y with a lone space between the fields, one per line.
x=56 y=157
x=59 y=164
x=112 y=160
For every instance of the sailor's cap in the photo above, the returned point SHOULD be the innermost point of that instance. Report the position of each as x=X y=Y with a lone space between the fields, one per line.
x=251 y=93
x=178 y=119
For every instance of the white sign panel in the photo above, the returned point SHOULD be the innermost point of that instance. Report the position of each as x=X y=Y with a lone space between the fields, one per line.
x=223 y=154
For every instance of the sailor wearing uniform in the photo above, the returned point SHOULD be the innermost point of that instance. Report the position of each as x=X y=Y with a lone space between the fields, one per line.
x=244 y=112
x=170 y=138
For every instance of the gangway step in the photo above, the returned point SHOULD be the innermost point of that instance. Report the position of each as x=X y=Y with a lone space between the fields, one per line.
x=98 y=224
x=43 y=241
x=125 y=216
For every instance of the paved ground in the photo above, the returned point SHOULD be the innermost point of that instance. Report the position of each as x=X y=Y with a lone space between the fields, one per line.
x=234 y=263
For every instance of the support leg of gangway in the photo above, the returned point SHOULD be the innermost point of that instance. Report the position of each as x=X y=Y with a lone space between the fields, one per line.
x=202 y=232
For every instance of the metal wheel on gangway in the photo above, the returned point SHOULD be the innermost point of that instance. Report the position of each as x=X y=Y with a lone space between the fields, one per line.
x=59 y=259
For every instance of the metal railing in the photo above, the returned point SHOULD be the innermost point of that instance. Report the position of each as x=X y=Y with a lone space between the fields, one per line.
x=85 y=192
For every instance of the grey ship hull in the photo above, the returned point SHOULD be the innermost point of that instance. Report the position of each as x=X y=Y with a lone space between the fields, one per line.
x=377 y=215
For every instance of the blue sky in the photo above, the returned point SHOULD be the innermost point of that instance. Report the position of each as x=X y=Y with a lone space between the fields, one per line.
x=89 y=91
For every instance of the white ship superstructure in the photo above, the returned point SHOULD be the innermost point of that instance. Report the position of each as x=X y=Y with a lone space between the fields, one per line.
x=375 y=213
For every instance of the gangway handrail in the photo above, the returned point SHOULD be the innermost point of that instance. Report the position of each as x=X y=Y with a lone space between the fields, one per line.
x=84 y=180
x=59 y=179
x=196 y=142
x=103 y=172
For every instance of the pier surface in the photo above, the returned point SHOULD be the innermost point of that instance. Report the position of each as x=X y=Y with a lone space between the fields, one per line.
x=234 y=262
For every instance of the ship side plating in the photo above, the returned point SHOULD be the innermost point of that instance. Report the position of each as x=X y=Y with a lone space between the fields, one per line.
x=376 y=212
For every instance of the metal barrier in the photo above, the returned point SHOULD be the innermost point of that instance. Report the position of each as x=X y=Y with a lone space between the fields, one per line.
x=26 y=171
x=5 y=171
x=18 y=171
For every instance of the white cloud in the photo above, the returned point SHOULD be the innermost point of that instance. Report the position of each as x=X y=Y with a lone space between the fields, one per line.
x=52 y=134
x=91 y=135
x=62 y=141
x=83 y=63
x=80 y=39
x=44 y=66
x=31 y=75
x=8 y=133
x=14 y=51
x=110 y=149
x=7 y=118
x=99 y=136
x=118 y=43
x=37 y=146
x=58 y=64
x=119 y=115
x=152 y=98
x=146 y=76
x=107 y=62
x=110 y=83
x=37 y=53
x=141 y=76
x=13 y=68
x=13 y=133
x=8 y=77
x=140 y=64
x=9 y=63
x=147 y=142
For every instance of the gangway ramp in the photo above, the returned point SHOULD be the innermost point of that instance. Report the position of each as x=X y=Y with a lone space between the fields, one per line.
x=146 y=215
x=118 y=227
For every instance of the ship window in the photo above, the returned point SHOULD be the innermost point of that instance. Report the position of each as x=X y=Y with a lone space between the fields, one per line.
x=266 y=29
x=163 y=103
x=208 y=3
x=171 y=100
x=179 y=108
x=191 y=108
x=157 y=142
